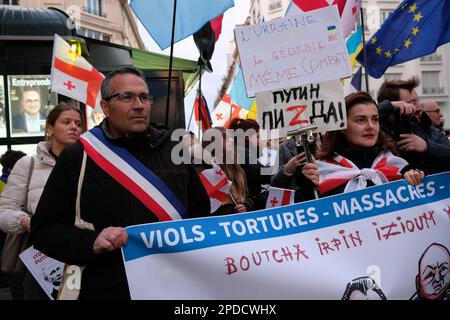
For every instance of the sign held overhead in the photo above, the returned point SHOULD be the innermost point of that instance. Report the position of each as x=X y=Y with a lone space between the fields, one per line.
x=292 y=51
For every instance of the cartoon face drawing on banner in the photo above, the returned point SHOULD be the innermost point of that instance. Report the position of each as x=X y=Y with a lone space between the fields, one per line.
x=363 y=288
x=433 y=280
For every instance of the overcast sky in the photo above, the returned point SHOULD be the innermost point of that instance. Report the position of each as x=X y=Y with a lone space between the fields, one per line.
x=186 y=49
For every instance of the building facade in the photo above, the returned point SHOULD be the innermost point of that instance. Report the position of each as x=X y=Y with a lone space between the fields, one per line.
x=107 y=20
x=432 y=70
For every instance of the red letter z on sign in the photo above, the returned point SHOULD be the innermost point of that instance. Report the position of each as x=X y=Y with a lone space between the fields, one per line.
x=295 y=120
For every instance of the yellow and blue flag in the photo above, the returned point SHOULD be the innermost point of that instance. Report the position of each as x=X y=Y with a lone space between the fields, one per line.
x=354 y=46
x=415 y=29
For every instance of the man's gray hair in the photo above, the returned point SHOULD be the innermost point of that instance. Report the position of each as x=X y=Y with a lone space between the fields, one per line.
x=106 y=89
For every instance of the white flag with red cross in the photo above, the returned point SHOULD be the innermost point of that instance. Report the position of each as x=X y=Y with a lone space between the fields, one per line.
x=279 y=197
x=226 y=111
x=348 y=10
x=73 y=76
x=217 y=186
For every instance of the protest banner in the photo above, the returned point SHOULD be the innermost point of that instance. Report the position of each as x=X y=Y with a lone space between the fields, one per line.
x=322 y=104
x=47 y=271
x=371 y=243
x=292 y=51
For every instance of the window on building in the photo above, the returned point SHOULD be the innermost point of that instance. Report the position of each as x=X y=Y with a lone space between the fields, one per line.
x=94 y=7
x=432 y=58
x=10 y=2
x=384 y=14
x=430 y=82
x=90 y=33
x=274 y=5
x=29 y=149
x=107 y=38
x=366 y=25
x=392 y=76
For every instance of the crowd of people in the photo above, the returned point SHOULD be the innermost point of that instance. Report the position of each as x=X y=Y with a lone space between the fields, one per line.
x=76 y=208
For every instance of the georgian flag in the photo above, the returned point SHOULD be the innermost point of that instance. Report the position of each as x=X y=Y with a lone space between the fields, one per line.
x=348 y=10
x=216 y=185
x=226 y=111
x=333 y=173
x=73 y=76
x=279 y=197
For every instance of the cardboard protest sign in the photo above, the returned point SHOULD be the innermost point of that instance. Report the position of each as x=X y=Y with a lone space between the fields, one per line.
x=47 y=271
x=292 y=51
x=380 y=239
x=289 y=109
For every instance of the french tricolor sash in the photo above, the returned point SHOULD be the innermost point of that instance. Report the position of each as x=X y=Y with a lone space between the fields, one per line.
x=123 y=167
x=338 y=171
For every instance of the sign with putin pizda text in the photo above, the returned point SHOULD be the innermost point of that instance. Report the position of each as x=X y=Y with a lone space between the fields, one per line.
x=384 y=242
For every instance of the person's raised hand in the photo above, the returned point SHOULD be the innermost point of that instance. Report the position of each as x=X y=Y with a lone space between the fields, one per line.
x=294 y=162
x=404 y=108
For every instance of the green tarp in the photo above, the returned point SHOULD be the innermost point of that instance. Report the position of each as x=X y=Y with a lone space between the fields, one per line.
x=146 y=60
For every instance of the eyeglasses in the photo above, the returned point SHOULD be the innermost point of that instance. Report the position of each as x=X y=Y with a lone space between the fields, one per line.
x=128 y=97
x=437 y=111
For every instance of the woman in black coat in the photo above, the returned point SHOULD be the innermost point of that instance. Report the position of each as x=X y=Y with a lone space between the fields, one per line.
x=360 y=155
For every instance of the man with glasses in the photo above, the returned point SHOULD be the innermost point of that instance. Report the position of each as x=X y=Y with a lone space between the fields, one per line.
x=127 y=178
x=402 y=118
x=431 y=108
x=30 y=118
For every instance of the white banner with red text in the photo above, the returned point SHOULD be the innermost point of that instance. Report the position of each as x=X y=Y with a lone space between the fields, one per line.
x=384 y=242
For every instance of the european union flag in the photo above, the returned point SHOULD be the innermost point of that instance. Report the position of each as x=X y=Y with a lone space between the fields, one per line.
x=416 y=28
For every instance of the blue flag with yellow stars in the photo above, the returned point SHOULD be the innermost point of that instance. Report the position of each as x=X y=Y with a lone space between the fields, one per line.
x=416 y=28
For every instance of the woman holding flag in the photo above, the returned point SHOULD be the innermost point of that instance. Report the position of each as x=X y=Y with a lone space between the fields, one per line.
x=233 y=197
x=360 y=155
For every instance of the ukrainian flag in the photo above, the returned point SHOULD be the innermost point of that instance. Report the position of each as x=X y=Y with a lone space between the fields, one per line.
x=354 y=46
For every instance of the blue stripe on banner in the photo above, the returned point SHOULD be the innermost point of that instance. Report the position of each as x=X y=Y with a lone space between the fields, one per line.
x=192 y=234
x=143 y=170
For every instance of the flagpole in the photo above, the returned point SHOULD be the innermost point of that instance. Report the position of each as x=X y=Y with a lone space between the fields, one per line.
x=366 y=75
x=199 y=102
x=190 y=118
x=231 y=110
x=49 y=98
x=232 y=198
x=171 y=60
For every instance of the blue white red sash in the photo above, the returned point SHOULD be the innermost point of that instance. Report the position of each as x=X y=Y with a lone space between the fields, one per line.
x=133 y=175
